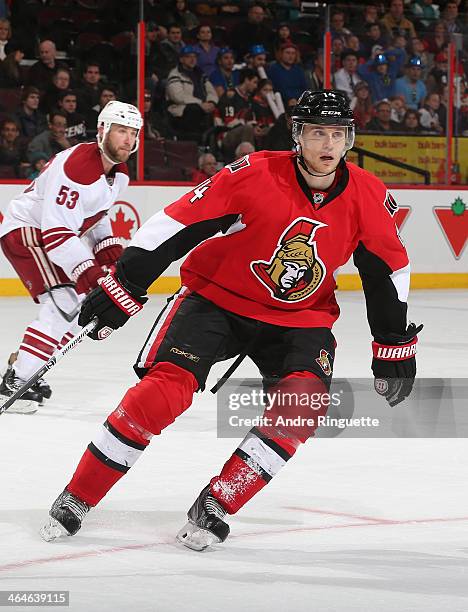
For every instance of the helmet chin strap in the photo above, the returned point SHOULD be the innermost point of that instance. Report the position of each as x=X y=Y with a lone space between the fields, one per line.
x=303 y=164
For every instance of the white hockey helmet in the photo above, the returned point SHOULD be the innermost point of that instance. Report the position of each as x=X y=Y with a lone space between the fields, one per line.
x=121 y=113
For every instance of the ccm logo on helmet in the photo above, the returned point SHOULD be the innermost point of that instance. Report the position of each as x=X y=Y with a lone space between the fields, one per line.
x=330 y=112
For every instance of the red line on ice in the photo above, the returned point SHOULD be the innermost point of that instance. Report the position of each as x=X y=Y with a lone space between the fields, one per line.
x=372 y=522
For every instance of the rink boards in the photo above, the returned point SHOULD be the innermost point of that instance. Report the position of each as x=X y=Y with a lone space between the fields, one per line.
x=433 y=225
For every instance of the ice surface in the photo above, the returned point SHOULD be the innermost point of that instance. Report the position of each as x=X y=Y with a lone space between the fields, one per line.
x=348 y=525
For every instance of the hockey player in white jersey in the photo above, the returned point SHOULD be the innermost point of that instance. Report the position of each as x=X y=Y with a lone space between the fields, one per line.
x=58 y=238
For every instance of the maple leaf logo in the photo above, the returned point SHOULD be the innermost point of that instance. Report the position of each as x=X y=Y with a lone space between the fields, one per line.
x=1 y=218
x=121 y=226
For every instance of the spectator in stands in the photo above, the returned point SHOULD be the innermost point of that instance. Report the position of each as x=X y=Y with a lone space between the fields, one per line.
x=38 y=161
x=381 y=73
x=257 y=60
x=362 y=21
x=243 y=149
x=399 y=109
x=5 y=35
x=224 y=77
x=451 y=18
x=361 y=105
x=337 y=24
x=411 y=86
x=10 y=73
x=429 y=114
x=207 y=50
x=106 y=94
x=425 y=12
x=418 y=47
x=53 y=140
x=89 y=91
x=354 y=44
x=337 y=52
x=151 y=132
x=314 y=76
x=235 y=112
x=190 y=95
x=395 y=21
x=286 y=74
x=283 y=35
x=12 y=147
x=411 y=123
x=76 y=126
x=382 y=121
x=154 y=35
x=346 y=78
x=31 y=121
x=251 y=32
x=438 y=76
x=207 y=167
x=261 y=108
x=400 y=42
x=182 y=16
x=438 y=39
x=279 y=136
x=374 y=36
x=60 y=82
x=41 y=74
x=169 y=51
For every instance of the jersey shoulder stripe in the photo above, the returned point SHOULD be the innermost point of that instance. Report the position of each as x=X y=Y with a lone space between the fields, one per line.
x=84 y=165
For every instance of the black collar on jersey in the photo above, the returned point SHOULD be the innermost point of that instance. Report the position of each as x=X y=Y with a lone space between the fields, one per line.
x=335 y=191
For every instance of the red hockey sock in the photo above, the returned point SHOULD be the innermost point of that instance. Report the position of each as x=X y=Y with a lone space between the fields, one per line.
x=264 y=451
x=164 y=393
x=93 y=479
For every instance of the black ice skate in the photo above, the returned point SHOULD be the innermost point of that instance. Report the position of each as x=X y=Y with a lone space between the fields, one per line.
x=205 y=526
x=42 y=387
x=65 y=517
x=28 y=402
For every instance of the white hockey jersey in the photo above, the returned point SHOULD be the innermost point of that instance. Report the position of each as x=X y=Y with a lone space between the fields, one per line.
x=69 y=200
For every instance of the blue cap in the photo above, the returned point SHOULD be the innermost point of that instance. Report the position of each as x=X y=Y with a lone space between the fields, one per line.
x=257 y=50
x=380 y=59
x=225 y=50
x=187 y=50
x=415 y=61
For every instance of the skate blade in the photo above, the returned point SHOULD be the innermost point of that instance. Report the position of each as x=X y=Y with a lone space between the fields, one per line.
x=196 y=538
x=52 y=530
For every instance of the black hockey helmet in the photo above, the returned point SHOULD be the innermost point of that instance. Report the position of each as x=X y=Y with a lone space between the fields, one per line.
x=323 y=107
x=326 y=107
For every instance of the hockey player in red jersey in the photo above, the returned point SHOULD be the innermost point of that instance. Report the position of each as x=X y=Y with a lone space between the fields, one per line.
x=58 y=238
x=267 y=235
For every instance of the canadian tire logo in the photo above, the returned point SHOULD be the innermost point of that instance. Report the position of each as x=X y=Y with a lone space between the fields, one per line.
x=125 y=220
x=453 y=221
x=401 y=215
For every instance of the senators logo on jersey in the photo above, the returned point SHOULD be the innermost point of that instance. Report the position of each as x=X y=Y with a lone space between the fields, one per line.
x=295 y=271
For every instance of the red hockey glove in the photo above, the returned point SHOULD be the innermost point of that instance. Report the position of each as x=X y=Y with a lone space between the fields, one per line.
x=87 y=275
x=394 y=364
x=112 y=303
x=108 y=251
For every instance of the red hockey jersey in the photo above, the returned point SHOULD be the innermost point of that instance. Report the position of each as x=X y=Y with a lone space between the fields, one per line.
x=268 y=248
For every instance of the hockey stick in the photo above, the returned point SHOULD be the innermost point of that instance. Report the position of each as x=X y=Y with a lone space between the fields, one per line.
x=68 y=316
x=50 y=364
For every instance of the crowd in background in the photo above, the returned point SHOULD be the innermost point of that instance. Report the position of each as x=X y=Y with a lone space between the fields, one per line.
x=224 y=75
